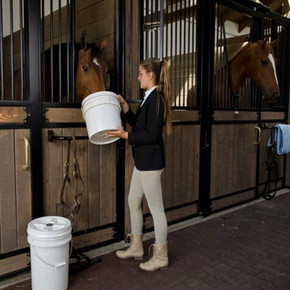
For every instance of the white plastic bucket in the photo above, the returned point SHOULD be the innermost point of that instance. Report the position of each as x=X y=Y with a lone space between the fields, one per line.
x=49 y=239
x=101 y=111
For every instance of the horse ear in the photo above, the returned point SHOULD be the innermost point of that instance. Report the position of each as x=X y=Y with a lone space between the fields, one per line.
x=265 y=40
x=275 y=42
x=103 y=44
x=84 y=40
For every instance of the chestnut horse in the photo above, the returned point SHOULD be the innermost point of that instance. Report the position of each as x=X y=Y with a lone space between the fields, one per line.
x=255 y=61
x=91 y=69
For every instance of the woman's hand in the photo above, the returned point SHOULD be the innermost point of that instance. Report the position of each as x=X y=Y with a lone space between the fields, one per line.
x=123 y=103
x=118 y=133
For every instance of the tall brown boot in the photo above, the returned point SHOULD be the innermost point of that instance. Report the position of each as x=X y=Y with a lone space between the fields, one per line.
x=135 y=251
x=159 y=259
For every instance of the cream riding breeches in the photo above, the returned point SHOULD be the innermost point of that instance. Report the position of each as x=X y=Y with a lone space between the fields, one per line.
x=147 y=183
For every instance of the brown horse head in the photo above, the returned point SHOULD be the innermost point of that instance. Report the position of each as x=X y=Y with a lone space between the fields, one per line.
x=91 y=69
x=256 y=61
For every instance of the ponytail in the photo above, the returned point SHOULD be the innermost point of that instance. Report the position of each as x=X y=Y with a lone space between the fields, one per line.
x=165 y=89
x=162 y=79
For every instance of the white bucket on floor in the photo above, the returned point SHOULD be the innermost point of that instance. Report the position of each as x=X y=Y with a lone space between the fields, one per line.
x=101 y=111
x=49 y=239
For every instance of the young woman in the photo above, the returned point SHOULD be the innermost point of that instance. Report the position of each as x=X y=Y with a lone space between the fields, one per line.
x=149 y=158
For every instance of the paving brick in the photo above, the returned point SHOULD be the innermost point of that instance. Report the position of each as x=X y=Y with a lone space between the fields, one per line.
x=245 y=249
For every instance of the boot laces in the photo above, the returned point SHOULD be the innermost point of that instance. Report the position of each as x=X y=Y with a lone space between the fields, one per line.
x=154 y=252
x=127 y=239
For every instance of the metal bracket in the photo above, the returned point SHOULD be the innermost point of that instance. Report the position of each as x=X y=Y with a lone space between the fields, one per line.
x=52 y=137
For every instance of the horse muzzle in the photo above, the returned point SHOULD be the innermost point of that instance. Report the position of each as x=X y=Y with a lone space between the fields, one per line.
x=271 y=98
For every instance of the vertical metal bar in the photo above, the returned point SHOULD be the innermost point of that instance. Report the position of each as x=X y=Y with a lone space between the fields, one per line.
x=1 y=53
x=145 y=44
x=68 y=50
x=32 y=76
x=166 y=30
x=184 y=51
x=21 y=49
x=51 y=51
x=171 y=51
x=42 y=49
x=73 y=50
x=119 y=67
x=12 y=50
x=59 y=52
x=161 y=30
x=180 y=53
x=188 y=49
x=156 y=33
x=205 y=58
x=143 y=34
x=175 y=52
x=193 y=52
x=152 y=31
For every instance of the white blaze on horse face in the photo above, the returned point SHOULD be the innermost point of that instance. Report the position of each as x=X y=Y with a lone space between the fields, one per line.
x=271 y=58
x=95 y=60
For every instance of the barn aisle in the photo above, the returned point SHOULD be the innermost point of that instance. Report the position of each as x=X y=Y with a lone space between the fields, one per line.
x=243 y=248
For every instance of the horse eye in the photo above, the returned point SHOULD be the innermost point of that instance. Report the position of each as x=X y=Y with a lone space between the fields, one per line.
x=264 y=62
x=85 y=68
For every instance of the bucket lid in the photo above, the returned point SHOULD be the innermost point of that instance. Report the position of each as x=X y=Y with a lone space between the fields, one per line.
x=49 y=226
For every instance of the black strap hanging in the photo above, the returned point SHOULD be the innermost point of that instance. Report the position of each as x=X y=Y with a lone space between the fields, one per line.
x=72 y=210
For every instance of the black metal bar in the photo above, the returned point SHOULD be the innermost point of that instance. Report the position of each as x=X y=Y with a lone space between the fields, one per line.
x=32 y=66
x=42 y=49
x=205 y=61
x=59 y=52
x=120 y=148
x=12 y=50
x=52 y=137
x=68 y=50
x=73 y=51
x=21 y=50
x=51 y=52
x=183 y=49
x=161 y=30
x=1 y=53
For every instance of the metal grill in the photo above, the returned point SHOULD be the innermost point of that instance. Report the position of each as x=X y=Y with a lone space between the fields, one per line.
x=169 y=34
x=58 y=57
x=12 y=50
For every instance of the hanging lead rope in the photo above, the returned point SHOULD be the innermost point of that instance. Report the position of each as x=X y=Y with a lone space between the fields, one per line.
x=71 y=211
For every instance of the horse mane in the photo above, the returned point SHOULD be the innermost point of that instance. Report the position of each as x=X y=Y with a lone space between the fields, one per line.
x=263 y=43
x=238 y=52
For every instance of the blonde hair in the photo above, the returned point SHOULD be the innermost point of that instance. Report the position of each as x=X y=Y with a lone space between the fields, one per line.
x=160 y=69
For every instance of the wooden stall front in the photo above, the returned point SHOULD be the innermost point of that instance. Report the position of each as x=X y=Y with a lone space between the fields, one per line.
x=215 y=157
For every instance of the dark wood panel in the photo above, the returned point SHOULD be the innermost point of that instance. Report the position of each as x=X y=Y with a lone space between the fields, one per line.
x=23 y=186
x=97 y=165
x=8 y=220
x=233 y=163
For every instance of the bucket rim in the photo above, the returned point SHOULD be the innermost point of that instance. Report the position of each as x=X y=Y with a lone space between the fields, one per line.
x=99 y=94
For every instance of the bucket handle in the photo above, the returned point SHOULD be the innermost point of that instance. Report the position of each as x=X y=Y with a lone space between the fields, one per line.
x=57 y=265
x=51 y=265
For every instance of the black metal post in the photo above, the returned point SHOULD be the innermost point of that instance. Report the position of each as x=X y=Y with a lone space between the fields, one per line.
x=204 y=83
x=33 y=92
x=120 y=87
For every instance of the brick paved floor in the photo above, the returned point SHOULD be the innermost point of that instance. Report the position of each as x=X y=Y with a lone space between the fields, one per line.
x=246 y=248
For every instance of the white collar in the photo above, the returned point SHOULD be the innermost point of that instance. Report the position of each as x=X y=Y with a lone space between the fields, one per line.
x=147 y=93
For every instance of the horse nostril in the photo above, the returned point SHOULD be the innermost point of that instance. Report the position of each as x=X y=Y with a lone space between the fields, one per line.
x=85 y=68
